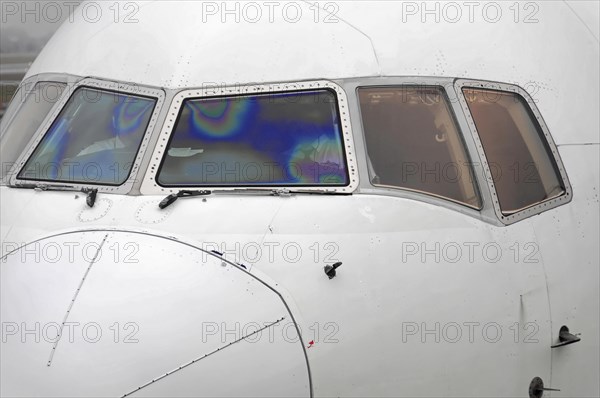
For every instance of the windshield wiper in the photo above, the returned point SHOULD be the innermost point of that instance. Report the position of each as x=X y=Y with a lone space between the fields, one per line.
x=166 y=202
x=90 y=192
x=282 y=192
x=91 y=195
x=45 y=187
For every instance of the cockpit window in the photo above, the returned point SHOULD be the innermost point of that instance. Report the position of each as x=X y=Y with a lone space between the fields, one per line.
x=8 y=90
x=94 y=140
x=523 y=172
x=413 y=142
x=17 y=131
x=279 y=139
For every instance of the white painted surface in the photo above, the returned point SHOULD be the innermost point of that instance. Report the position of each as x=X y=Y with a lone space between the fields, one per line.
x=379 y=290
x=143 y=306
x=182 y=45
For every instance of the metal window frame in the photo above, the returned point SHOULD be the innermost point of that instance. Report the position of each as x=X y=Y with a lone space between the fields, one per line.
x=102 y=85
x=535 y=209
x=349 y=114
x=150 y=185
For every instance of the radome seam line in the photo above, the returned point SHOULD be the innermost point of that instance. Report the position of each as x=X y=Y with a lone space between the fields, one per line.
x=202 y=357
x=173 y=239
x=62 y=325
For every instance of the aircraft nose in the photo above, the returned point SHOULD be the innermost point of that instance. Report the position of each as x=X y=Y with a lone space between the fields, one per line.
x=113 y=313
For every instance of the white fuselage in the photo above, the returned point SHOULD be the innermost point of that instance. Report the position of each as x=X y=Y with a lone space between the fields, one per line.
x=430 y=300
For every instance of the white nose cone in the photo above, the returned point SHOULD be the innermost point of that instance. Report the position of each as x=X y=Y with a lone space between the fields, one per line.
x=128 y=314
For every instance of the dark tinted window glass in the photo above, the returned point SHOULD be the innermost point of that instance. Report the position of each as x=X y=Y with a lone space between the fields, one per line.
x=520 y=164
x=94 y=139
x=413 y=142
x=262 y=140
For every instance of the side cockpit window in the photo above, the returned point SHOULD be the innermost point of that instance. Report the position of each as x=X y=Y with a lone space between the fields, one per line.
x=28 y=109
x=268 y=140
x=519 y=158
x=8 y=91
x=94 y=139
x=413 y=143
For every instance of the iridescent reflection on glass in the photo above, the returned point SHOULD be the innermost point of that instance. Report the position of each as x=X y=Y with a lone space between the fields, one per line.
x=262 y=140
x=94 y=140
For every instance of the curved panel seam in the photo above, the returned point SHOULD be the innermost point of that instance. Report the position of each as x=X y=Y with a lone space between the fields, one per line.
x=193 y=361
x=64 y=321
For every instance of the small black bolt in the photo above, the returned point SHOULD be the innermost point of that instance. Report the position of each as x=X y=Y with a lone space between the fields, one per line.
x=330 y=269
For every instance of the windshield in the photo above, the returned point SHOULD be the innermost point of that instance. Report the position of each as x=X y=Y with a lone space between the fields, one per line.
x=513 y=141
x=414 y=142
x=272 y=140
x=94 y=140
